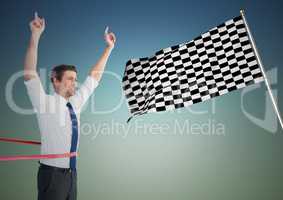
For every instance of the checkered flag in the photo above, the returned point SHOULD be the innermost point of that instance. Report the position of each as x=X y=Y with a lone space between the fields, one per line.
x=215 y=63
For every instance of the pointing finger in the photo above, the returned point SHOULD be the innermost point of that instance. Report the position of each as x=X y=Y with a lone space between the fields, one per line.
x=106 y=30
x=35 y=15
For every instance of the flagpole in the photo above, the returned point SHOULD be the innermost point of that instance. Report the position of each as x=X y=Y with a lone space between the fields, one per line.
x=275 y=106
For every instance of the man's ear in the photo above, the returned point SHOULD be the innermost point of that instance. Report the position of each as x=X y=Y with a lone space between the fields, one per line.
x=56 y=82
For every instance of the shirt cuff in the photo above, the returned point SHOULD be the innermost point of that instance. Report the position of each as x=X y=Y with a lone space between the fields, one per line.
x=93 y=80
x=32 y=81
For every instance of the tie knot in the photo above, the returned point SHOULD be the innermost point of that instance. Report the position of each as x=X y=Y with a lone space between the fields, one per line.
x=69 y=105
x=71 y=110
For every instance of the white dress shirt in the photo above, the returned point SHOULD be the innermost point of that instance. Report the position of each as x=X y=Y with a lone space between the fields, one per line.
x=54 y=118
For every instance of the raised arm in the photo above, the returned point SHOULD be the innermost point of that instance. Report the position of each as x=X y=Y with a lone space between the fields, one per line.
x=37 y=26
x=98 y=69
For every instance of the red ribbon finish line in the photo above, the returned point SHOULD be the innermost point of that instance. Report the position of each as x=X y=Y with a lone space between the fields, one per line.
x=32 y=157
x=20 y=141
x=36 y=157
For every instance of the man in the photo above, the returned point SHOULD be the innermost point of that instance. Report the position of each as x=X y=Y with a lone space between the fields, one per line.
x=58 y=115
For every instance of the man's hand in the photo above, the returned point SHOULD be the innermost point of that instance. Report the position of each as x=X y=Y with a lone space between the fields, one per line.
x=98 y=68
x=37 y=25
x=110 y=38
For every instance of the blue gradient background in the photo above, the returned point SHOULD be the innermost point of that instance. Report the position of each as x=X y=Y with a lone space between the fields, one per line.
x=244 y=163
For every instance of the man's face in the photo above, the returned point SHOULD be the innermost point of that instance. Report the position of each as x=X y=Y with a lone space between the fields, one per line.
x=67 y=85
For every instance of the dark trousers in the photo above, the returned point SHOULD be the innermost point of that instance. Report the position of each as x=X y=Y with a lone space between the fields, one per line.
x=56 y=183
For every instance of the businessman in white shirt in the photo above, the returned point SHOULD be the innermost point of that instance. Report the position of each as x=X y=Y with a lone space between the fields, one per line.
x=58 y=115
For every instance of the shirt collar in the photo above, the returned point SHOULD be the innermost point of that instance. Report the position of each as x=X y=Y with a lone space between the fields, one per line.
x=60 y=98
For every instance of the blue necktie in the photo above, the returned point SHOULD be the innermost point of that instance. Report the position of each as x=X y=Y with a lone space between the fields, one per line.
x=74 y=141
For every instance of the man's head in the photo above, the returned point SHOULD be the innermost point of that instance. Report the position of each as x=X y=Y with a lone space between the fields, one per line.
x=64 y=80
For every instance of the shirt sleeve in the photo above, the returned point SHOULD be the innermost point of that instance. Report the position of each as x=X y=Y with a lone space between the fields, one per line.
x=86 y=89
x=36 y=94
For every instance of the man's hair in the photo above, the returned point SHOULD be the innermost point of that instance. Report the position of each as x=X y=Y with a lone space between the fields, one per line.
x=58 y=71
